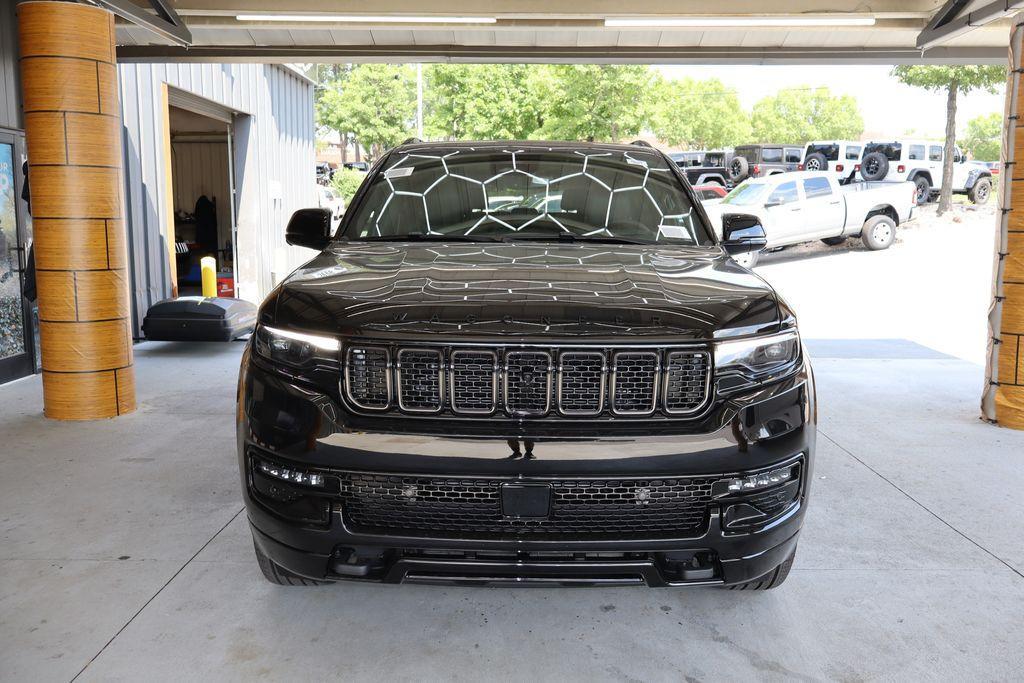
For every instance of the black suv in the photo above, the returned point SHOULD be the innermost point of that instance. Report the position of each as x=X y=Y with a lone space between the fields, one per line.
x=757 y=161
x=525 y=362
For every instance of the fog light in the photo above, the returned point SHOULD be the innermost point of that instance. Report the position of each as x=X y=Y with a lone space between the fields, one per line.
x=760 y=481
x=290 y=475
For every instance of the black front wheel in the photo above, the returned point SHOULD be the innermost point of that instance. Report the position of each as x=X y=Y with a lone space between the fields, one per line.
x=772 y=579
x=981 y=191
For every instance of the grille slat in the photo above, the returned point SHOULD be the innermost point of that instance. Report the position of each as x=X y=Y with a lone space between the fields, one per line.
x=420 y=380
x=686 y=381
x=474 y=381
x=635 y=382
x=524 y=382
x=438 y=507
x=527 y=382
x=368 y=377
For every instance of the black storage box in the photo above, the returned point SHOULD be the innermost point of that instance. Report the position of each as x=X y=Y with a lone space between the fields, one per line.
x=196 y=318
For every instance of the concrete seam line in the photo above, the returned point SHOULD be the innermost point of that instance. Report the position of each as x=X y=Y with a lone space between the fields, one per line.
x=154 y=596
x=924 y=507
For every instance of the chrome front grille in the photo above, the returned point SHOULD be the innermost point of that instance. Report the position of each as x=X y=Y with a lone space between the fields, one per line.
x=527 y=382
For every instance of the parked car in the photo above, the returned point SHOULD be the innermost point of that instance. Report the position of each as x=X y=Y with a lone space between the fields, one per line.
x=703 y=168
x=328 y=199
x=993 y=167
x=811 y=205
x=593 y=394
x=709 y=192
x=324 y=173
x=836 y=156
x=756 y=161
x=920 y=162
x=363 y=166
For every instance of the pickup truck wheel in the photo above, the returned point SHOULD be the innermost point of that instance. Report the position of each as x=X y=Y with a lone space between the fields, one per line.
x=748 y=259
x=879 y=233
x=275 y=573
x=924 y=190
x=772 y=579
x=981 y=191
x=834 y=241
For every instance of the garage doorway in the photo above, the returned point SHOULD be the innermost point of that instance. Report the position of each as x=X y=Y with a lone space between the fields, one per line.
x=201 y=193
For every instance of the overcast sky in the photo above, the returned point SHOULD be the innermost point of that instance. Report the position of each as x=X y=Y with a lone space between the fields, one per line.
x=888 y=107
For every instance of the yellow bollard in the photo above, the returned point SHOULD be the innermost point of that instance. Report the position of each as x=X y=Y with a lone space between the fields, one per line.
x=208 y=265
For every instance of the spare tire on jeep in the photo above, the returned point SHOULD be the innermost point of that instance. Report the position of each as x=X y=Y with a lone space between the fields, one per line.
x=739 y=169
x=874 y=166
x=816 y=162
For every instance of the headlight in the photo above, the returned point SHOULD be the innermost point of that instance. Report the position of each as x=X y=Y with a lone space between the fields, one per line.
x=298 y=349
x=754 y=360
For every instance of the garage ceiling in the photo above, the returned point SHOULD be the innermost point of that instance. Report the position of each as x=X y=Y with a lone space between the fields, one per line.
x=661 y=31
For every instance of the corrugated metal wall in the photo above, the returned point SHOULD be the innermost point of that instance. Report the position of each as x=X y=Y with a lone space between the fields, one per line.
x=10 y=88
x=273 y=159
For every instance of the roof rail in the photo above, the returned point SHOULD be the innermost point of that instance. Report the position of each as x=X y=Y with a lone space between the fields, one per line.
x=411 y=141
x=642 y=143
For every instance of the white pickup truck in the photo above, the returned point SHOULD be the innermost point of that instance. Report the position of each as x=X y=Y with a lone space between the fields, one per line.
x=812 y=205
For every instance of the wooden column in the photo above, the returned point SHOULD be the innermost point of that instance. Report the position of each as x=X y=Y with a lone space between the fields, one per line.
x=73 y=133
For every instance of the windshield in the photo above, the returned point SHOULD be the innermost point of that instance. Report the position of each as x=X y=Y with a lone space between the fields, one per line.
x=746 y=194
x=526 y=192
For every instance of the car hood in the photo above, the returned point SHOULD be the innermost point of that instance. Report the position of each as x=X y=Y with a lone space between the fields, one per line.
x=523 y=290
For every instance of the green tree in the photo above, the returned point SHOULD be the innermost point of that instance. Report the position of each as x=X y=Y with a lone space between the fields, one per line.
x=953 y=80
x=593 y=101
x=984 y=137
x=374 y=102
x=482 y=101
x=697 y=114
x=797 y=115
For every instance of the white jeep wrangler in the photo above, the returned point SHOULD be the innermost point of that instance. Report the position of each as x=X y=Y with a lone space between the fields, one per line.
x=920 y=162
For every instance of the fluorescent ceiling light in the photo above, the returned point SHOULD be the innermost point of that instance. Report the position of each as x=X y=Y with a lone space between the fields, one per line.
x=366 y=19
x=712 y=22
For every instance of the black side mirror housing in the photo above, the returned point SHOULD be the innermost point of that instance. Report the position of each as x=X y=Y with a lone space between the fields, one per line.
x=309 y=228
x=742 y=233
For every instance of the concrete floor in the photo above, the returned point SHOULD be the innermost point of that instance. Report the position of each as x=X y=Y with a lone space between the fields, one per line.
x=125 y=554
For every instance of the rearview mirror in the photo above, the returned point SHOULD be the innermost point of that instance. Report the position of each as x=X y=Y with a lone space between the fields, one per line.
x=309 y=228
x=742 y=233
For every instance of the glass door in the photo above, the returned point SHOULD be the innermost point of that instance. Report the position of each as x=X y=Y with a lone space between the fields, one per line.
x=16 y=337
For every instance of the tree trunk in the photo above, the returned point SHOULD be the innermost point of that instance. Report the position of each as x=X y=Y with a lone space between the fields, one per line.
x=343 y=137
x=946 y=192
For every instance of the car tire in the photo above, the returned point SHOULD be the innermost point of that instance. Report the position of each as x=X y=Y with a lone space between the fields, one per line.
x=739 y=169
x=772 y=579
x=834 y=241
x=874 y=166
x=816 y=162
x=981 y=191
x=879 y=232
x=924 y=190
x=747 y=259
x=275 y=573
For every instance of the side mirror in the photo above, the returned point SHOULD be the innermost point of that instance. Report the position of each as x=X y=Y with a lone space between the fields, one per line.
x=742 y=234
x=309 y=228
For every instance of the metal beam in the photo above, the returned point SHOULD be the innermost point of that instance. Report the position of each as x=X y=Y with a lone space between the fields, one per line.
x=947 y=24
x=164 y=22
x=564 y=55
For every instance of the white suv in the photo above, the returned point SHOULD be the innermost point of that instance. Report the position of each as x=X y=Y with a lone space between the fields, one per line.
x=839 y=157
x=920 y=162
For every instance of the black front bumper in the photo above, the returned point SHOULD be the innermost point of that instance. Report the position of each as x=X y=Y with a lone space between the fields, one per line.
x=304 y=429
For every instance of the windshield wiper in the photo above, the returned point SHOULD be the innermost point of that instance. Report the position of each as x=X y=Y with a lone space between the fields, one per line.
x=569 y=238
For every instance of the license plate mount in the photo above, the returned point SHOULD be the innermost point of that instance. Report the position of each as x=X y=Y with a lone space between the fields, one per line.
x=525 y=500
